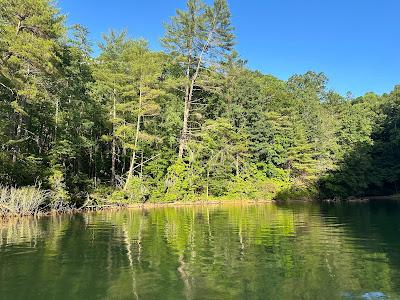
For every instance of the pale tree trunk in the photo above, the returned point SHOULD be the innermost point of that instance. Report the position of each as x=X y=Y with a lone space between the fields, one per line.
x=114 y=143
x=132 y=165
x=185 y=128
x=189 y=95
x=141 y=167
x=56 y=121
x=18 y=132
x=20 y=118
x=19 y=25
x=237 y=165
x=208 y=183
x=18 y=136
x=186 y=111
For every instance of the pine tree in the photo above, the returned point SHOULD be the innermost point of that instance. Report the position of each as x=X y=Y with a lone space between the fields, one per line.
x=109 y=88
x=198 y=38
x=144 y=69
x=31 y=33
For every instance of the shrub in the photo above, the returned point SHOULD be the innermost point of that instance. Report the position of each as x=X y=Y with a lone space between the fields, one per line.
x=182 y=182
x=22 y=201
x=58 y=187
x=298 y=192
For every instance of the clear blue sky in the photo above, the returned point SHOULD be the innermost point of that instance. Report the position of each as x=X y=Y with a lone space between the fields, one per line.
x=356 y=43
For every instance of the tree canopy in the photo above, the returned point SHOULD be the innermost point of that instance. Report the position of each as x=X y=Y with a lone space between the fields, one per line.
x=192 y=121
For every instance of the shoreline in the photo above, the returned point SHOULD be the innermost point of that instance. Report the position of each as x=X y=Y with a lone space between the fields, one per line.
x=137 y=206
x=155 y=205
x=199 y=203
x=211 y=203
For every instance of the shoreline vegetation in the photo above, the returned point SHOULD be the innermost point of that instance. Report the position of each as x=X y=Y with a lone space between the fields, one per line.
x=132 y=125
x=31 y=201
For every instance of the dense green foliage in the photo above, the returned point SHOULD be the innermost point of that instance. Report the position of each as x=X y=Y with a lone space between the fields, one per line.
x=191 y=122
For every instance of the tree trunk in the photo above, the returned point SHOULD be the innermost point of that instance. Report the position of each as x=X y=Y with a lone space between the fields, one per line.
x=207 y=187
x=141 y=167
x=189 y=94
x=136 y=140
x=20 y=120
x=113 y=150
x=17 y=137
x=56 y=121
x=183 y=140
x=237 y=165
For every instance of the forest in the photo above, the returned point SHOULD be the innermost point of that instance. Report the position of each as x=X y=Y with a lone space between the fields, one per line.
x=191 y=122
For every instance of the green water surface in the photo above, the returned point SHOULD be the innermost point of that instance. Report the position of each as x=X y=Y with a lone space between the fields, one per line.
x=303 y=251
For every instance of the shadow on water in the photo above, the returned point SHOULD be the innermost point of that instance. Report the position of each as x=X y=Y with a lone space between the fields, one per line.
x=375 y=224
x=373 y=167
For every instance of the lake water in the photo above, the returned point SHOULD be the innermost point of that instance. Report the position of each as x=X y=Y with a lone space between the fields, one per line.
x=303 y=251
